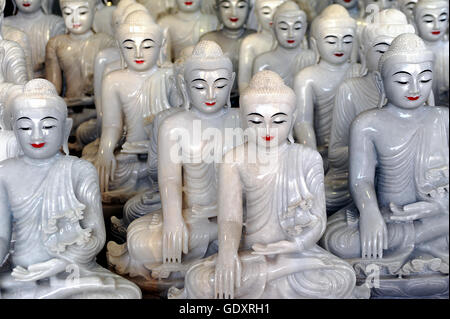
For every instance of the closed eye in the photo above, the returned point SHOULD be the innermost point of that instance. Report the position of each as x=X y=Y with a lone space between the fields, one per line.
x=280 y=122
x=25 y=128
x=401 y=82
x=425 y=81
x=47 y=127
x=255 y=121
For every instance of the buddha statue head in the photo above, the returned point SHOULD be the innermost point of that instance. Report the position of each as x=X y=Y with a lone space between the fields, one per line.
x=233 y=14
x=140 y=40
x=347 y=4
x=30 y=6
x=268 y=110
x=264 y=10
x=78 y=15
x=39 y=120
x=378 y=36
x=405 y=72
x=121 y=11
x=189 y=5
x=431 y=17
x=381 y=4
x=208 y=78
x=332 y=34
x=290 y=24
x=407 y=7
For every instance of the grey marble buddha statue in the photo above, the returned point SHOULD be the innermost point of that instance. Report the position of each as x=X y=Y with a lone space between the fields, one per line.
x=398 y=179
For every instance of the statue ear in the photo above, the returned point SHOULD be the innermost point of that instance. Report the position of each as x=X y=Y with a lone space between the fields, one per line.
x=363 y=59
x=233 y=78
x=380 y=86
x=430 y=100
x=313 y=43
x=181 y=83
x=164 y=48
x=67 y=130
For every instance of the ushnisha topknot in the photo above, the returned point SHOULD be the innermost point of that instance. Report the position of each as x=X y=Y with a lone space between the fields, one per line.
x=207 y=55
x=140 y=22
x=121 y=12
x=406 y=48
x=92 y=3
x=334 y=16
x=33 y=93
x=387 y=23
x=267 y=87
x=288 y=9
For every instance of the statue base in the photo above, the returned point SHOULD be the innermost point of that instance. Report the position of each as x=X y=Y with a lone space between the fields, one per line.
x=417 y=287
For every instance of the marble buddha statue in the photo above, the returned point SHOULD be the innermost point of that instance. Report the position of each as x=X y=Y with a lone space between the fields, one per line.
x=332 y=35
x=51 y=227
x=288 y=58
x=131 y=97
x=13 y=34
x=233 y=15
x=106 y=61
x=187 y=25
x=431 y=18
x=158 y=8
x=258 y=43
x=276 y=255
x=398 y=179
x=191 y=143
x=73 y=54
x=355 y=96
x=39 y=27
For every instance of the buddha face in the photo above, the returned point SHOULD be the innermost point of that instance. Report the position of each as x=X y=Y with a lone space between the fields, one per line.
x=139 y=51
x=335 y=44
x=209 y=90
x=407 y=7
x=375 y=50
x=78 y=16
x=432 y=23
x=268 y=125
x=347 y=4
x=233 y=13
x=39 y=130
x=265 y=10
x=408 y=85
x=290 y=31
x=28 y=6
x=189 y=5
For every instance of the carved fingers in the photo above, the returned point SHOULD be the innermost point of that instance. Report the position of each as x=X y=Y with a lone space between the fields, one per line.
x=175 y=241
x=106 y=167
x=227 y=277
x=39 y=271
x=412 y=211
x=374 y=238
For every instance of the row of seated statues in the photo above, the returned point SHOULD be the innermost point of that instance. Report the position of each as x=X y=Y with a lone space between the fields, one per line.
x=254 y=148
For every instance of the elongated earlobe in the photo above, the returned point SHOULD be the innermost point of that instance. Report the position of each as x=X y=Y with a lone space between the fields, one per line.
x=430 y=100
x=379 y=84
x=183 y=91
x=233 y=78
x=314 y=47
x=363 y=60
x=67 y=129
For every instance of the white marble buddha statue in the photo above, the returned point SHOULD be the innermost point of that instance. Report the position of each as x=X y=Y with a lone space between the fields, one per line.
x=233 y=16
x=191 y=142
x=431 y=18
x=353 y=7
x=187 y=25
x=398 y=179
x=355 y=96
x=408 y=7
x=131 y=97
x=39 y=27
x=13 y=34
x=258 y=43
x=332 y=35
x=158 y=8
x=103 y=17
x=72 y=55
x=288 y=58
x=276 y=255
x=51 y=227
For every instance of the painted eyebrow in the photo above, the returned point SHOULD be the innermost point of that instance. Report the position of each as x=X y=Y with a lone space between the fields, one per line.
x=279 y=113
x=257 y=114
x=220 y=79
x=148 y=40
x=428 y=16
x=127 y=40
x=330 y=36
x=49 y=118
x=348 y=35
x=443 y=14
x=381 y=43
x=198 y=80
x=428 y=70
x=400 y=72
x=23 y=118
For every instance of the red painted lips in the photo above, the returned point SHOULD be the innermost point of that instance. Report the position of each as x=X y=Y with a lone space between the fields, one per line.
x=234 y=19
x=210 y=104
x=139 y=61
x=436 y=32
x=413 y=98
x=188 y=3
x=40 y=145
x=27 y=4
x=339 y=54
x=267 y=138
x=291 y=41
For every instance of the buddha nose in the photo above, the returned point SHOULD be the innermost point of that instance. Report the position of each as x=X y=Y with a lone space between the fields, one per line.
x=233 y=11
x=211 y=93
x=138 y=52
x=414 y=87
x=76 y=18
x=339 y=45
x=36 y=135
x=435 y=24
x=290 y=32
